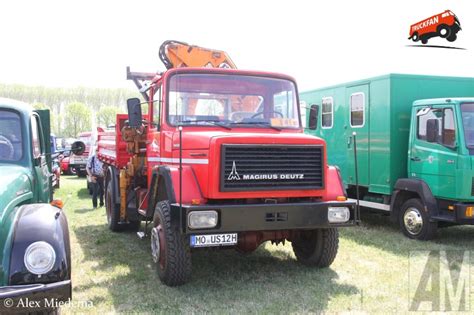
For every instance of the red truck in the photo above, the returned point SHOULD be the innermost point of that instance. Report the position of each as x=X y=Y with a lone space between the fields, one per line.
x=220 y=159
x=445 y=25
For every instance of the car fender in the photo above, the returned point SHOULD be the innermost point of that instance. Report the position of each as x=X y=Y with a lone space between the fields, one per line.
x=415 y=186
x=165 y=186
x=334 y=185
x=40 y=222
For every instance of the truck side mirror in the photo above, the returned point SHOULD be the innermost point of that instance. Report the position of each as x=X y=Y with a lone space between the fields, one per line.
x=432 y=130
x=134 y=112
x=313 y=117
x=78 y=147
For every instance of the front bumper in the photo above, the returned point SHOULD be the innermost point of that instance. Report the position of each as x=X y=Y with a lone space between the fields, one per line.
x=79 y=166
x=265 y=217
x=34 y=297
x=461 y=214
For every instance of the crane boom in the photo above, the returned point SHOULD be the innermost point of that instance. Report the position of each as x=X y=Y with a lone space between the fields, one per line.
x=175 y=54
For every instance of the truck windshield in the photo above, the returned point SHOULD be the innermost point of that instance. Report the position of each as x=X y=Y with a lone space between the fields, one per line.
x=467 y=110
x=11 y=148
x=232 y=100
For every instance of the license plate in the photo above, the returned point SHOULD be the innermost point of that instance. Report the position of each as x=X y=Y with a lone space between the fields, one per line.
x=213 y=240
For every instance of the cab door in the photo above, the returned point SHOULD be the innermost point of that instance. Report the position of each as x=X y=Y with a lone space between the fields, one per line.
x=432 y=156
x=357 y=97
x=154 y=145
x=41 y=172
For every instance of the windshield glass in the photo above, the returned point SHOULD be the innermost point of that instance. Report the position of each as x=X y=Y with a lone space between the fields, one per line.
x=231 y=100
x=467 y=110
x=11 y=148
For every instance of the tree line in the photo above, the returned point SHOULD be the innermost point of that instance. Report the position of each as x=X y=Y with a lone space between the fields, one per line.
x=73 y=110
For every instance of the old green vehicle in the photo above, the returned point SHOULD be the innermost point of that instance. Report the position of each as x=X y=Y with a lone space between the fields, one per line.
x=35 y=269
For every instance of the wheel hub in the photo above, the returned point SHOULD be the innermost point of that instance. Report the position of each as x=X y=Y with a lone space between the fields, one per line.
x=413 y=221
x=155 y=244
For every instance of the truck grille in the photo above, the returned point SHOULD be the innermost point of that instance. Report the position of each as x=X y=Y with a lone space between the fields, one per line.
x=271 y=167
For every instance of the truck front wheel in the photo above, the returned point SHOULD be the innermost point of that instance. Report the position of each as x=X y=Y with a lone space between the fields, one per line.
x=170 y=249
x=316 y=248
x=414 y=221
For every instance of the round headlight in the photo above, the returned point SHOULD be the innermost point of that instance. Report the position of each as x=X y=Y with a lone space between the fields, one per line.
x=40 y=258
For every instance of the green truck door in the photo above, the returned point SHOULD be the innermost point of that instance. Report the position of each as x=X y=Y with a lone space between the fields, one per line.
x=434 y=158
x=358 y=99
x=42 y=175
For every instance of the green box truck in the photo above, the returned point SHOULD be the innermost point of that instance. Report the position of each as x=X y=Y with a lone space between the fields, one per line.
x=415 y=146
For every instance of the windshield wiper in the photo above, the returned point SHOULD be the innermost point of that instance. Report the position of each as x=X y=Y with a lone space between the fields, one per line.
x=210 y=121
x=261 y=123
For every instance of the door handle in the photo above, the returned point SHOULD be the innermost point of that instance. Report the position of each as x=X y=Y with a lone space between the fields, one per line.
x=415 y=158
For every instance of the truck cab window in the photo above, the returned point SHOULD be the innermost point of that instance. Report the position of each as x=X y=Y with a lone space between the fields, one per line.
x=10 y=136
x=157 y=105
x=357 y=110
x=327 y=113
x=449 y=132
x=467 y=110
x=446 y=134
x=35 y=135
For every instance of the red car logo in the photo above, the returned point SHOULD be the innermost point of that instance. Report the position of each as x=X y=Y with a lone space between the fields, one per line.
x=445 y=25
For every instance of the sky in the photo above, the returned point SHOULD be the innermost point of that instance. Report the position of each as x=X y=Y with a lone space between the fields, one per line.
x=319 y=43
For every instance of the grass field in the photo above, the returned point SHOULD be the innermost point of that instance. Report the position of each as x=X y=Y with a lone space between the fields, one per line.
x=112 y=272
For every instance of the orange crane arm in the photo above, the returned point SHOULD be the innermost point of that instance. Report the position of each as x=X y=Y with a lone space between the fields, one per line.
x=176 y=54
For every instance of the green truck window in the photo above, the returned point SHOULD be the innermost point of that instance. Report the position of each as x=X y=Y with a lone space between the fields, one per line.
x=446 y=135
x=357 y=109
x=449 y=131
x=327 y=113
x=11 y=147
x=313 y=117
x=36 y=142
x=468 y=123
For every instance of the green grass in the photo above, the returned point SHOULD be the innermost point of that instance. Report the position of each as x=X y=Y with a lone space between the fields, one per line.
x=114 y=271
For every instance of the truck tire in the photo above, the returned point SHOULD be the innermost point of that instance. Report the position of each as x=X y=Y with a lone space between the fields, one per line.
x=317 y=248
x=414 y=221
x=415 y=37
x=112 y=209
x=71 y=171
x=170 y=250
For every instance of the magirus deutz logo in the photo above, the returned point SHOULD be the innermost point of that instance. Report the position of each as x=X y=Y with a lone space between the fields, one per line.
x=445 y=25
x=234 y=175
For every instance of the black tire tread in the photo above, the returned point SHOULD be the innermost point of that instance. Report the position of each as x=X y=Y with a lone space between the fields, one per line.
x=178 y=266
x=113 y=224
x=324 y=246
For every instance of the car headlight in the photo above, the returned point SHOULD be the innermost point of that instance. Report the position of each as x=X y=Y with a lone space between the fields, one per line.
x=202 y=219
x=338 y=214
x=39 y=258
